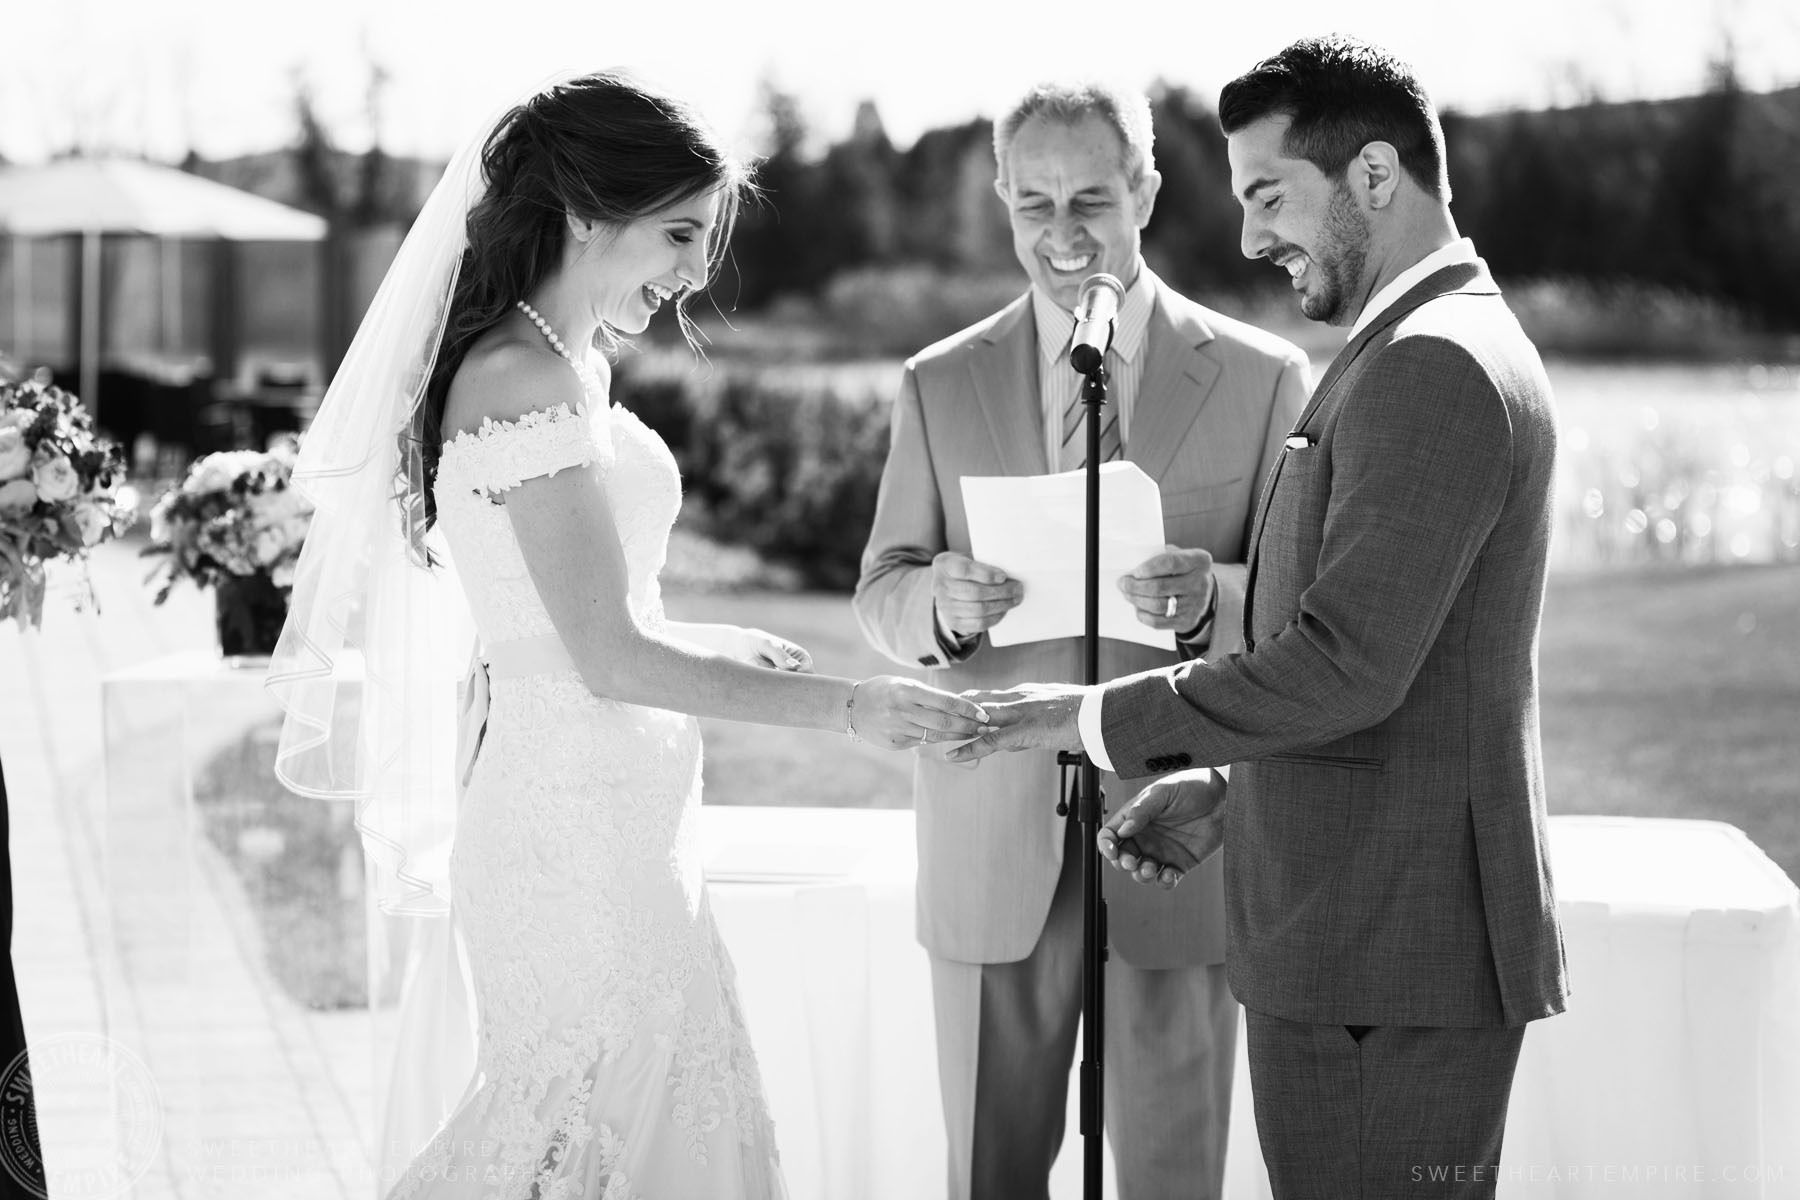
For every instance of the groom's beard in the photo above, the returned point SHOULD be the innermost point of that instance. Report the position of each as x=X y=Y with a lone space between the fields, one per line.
x=1342 y=254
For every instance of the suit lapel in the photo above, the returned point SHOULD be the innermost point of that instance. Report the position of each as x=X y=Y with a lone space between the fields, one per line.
x=1458 y=277
x=1005 y=375
x=1177 y=382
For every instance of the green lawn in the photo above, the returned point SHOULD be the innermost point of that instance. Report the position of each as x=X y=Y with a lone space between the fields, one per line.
x=1676 y=693
x=1665 y=692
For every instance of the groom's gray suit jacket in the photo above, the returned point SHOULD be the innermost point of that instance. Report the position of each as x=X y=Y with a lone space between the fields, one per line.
x=1385 y=858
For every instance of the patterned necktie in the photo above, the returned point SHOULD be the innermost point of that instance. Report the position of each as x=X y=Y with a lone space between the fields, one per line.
x=1074 y=426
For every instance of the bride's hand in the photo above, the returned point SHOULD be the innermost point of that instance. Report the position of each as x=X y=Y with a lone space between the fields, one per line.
x=896 y=713
x=760 y=648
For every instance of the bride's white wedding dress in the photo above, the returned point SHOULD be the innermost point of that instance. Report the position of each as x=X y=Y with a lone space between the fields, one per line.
x=613 y=1060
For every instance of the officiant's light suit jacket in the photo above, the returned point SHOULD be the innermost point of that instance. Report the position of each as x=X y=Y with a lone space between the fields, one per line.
x=1385 y=853
x=1214 y=400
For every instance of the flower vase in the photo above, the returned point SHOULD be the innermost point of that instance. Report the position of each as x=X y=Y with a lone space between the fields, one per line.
x=251 y=611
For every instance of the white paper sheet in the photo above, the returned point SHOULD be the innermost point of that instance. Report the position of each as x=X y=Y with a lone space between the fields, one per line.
x=1032 y=527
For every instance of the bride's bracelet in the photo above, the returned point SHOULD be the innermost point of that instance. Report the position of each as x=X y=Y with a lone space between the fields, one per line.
x=850 y=713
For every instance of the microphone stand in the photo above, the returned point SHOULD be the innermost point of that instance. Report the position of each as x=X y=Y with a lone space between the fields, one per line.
x=1089 y=810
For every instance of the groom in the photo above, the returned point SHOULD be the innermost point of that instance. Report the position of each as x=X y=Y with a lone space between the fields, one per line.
x=1390 y=919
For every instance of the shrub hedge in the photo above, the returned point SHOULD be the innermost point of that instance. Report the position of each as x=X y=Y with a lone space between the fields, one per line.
x=784 y=462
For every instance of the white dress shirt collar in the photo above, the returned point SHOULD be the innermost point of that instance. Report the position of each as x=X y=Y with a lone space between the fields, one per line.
x=1462 y=250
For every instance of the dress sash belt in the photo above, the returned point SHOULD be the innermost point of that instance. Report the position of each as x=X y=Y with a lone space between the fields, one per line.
x=515 y=659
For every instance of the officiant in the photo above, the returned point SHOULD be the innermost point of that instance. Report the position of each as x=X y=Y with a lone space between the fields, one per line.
x=1201 y=404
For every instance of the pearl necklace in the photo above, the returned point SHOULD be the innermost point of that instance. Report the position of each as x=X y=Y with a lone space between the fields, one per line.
x=589 y=376
x=545 y=328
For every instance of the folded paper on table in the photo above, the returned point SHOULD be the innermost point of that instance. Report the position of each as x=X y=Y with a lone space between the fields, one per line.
x=1033 y=528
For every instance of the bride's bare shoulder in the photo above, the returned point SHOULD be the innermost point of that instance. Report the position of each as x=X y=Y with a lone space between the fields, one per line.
x=502 y=378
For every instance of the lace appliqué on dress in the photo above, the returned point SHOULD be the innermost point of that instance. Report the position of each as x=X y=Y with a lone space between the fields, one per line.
x=613 y=1061
x=503 y=454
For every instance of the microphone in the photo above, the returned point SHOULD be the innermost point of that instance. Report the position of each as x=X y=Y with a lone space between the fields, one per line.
x=1094 y=316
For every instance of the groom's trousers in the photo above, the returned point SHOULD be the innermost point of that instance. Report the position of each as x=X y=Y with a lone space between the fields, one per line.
x=1006 y=1038
x=1378 y=1112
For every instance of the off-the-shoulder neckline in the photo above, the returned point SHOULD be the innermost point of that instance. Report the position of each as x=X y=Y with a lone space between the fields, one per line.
x=538 y=416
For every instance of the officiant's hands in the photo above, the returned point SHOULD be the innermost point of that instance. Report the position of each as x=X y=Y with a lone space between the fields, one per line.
x=1171 y=590
x=1032 y=716
x=971 y=596
x=1168 y=829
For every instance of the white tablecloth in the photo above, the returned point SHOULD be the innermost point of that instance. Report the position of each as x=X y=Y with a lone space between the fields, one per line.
x=1675 y=1072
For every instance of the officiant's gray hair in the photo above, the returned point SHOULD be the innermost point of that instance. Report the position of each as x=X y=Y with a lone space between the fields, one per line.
x=1125 y=109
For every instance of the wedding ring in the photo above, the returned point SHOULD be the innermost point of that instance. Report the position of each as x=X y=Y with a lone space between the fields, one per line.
x=1170 y=610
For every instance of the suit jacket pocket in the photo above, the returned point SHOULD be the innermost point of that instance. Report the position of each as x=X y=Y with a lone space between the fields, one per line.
x=1325 y=760
x=1189 y=501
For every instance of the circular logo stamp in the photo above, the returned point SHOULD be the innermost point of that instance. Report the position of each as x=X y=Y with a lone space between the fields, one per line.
x=99 y=1078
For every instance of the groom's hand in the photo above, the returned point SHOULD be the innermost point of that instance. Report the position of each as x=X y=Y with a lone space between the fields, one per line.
x=1032 y=716
x=1168 y=829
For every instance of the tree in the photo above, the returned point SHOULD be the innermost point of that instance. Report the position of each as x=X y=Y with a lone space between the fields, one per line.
x=775 y=250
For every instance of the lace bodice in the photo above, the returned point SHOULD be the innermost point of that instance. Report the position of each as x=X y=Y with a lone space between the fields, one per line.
x=643 y=490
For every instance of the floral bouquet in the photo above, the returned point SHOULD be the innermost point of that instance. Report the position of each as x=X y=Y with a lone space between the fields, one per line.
x=236 y=524
x=57 y=492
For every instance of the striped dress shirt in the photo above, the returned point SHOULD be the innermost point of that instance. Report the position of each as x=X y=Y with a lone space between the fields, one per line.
x=1059 y=383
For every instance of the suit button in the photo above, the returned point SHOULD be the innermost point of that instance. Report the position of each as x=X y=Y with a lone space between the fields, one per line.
x=1183 y=760
x=929 y=660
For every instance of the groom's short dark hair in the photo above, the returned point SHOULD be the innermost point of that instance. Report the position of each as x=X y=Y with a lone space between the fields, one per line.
x=1341 y=93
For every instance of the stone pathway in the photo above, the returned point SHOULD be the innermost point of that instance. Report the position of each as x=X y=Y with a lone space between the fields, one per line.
x=169 y=1064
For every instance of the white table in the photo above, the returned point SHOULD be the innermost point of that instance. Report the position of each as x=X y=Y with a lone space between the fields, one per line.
x=1675 y=1073
x=261 y=1097
x=816 y=906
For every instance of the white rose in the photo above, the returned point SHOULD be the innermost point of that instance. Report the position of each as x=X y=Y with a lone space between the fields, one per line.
x=267 y=546
x=285 y=448
x=271 y=507
x=55 y=478
x=15 y=455
x=17 y=495
x=93 y=522
x=216 y=472
x=16 y=418
x=283 y=576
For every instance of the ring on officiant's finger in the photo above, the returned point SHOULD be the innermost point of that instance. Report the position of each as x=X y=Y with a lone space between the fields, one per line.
x=1170 y=610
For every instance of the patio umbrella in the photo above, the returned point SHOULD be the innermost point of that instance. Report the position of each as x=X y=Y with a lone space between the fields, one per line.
x=91 y=197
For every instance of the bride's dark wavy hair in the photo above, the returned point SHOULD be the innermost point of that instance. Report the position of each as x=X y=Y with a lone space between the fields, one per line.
x=601 y=147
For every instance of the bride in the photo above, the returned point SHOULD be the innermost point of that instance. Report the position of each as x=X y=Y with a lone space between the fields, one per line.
x=466 y=462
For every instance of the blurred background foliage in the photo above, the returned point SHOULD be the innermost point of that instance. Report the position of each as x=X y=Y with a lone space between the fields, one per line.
x=1651 y=213
x=1657 y=234
x=1695 y=197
